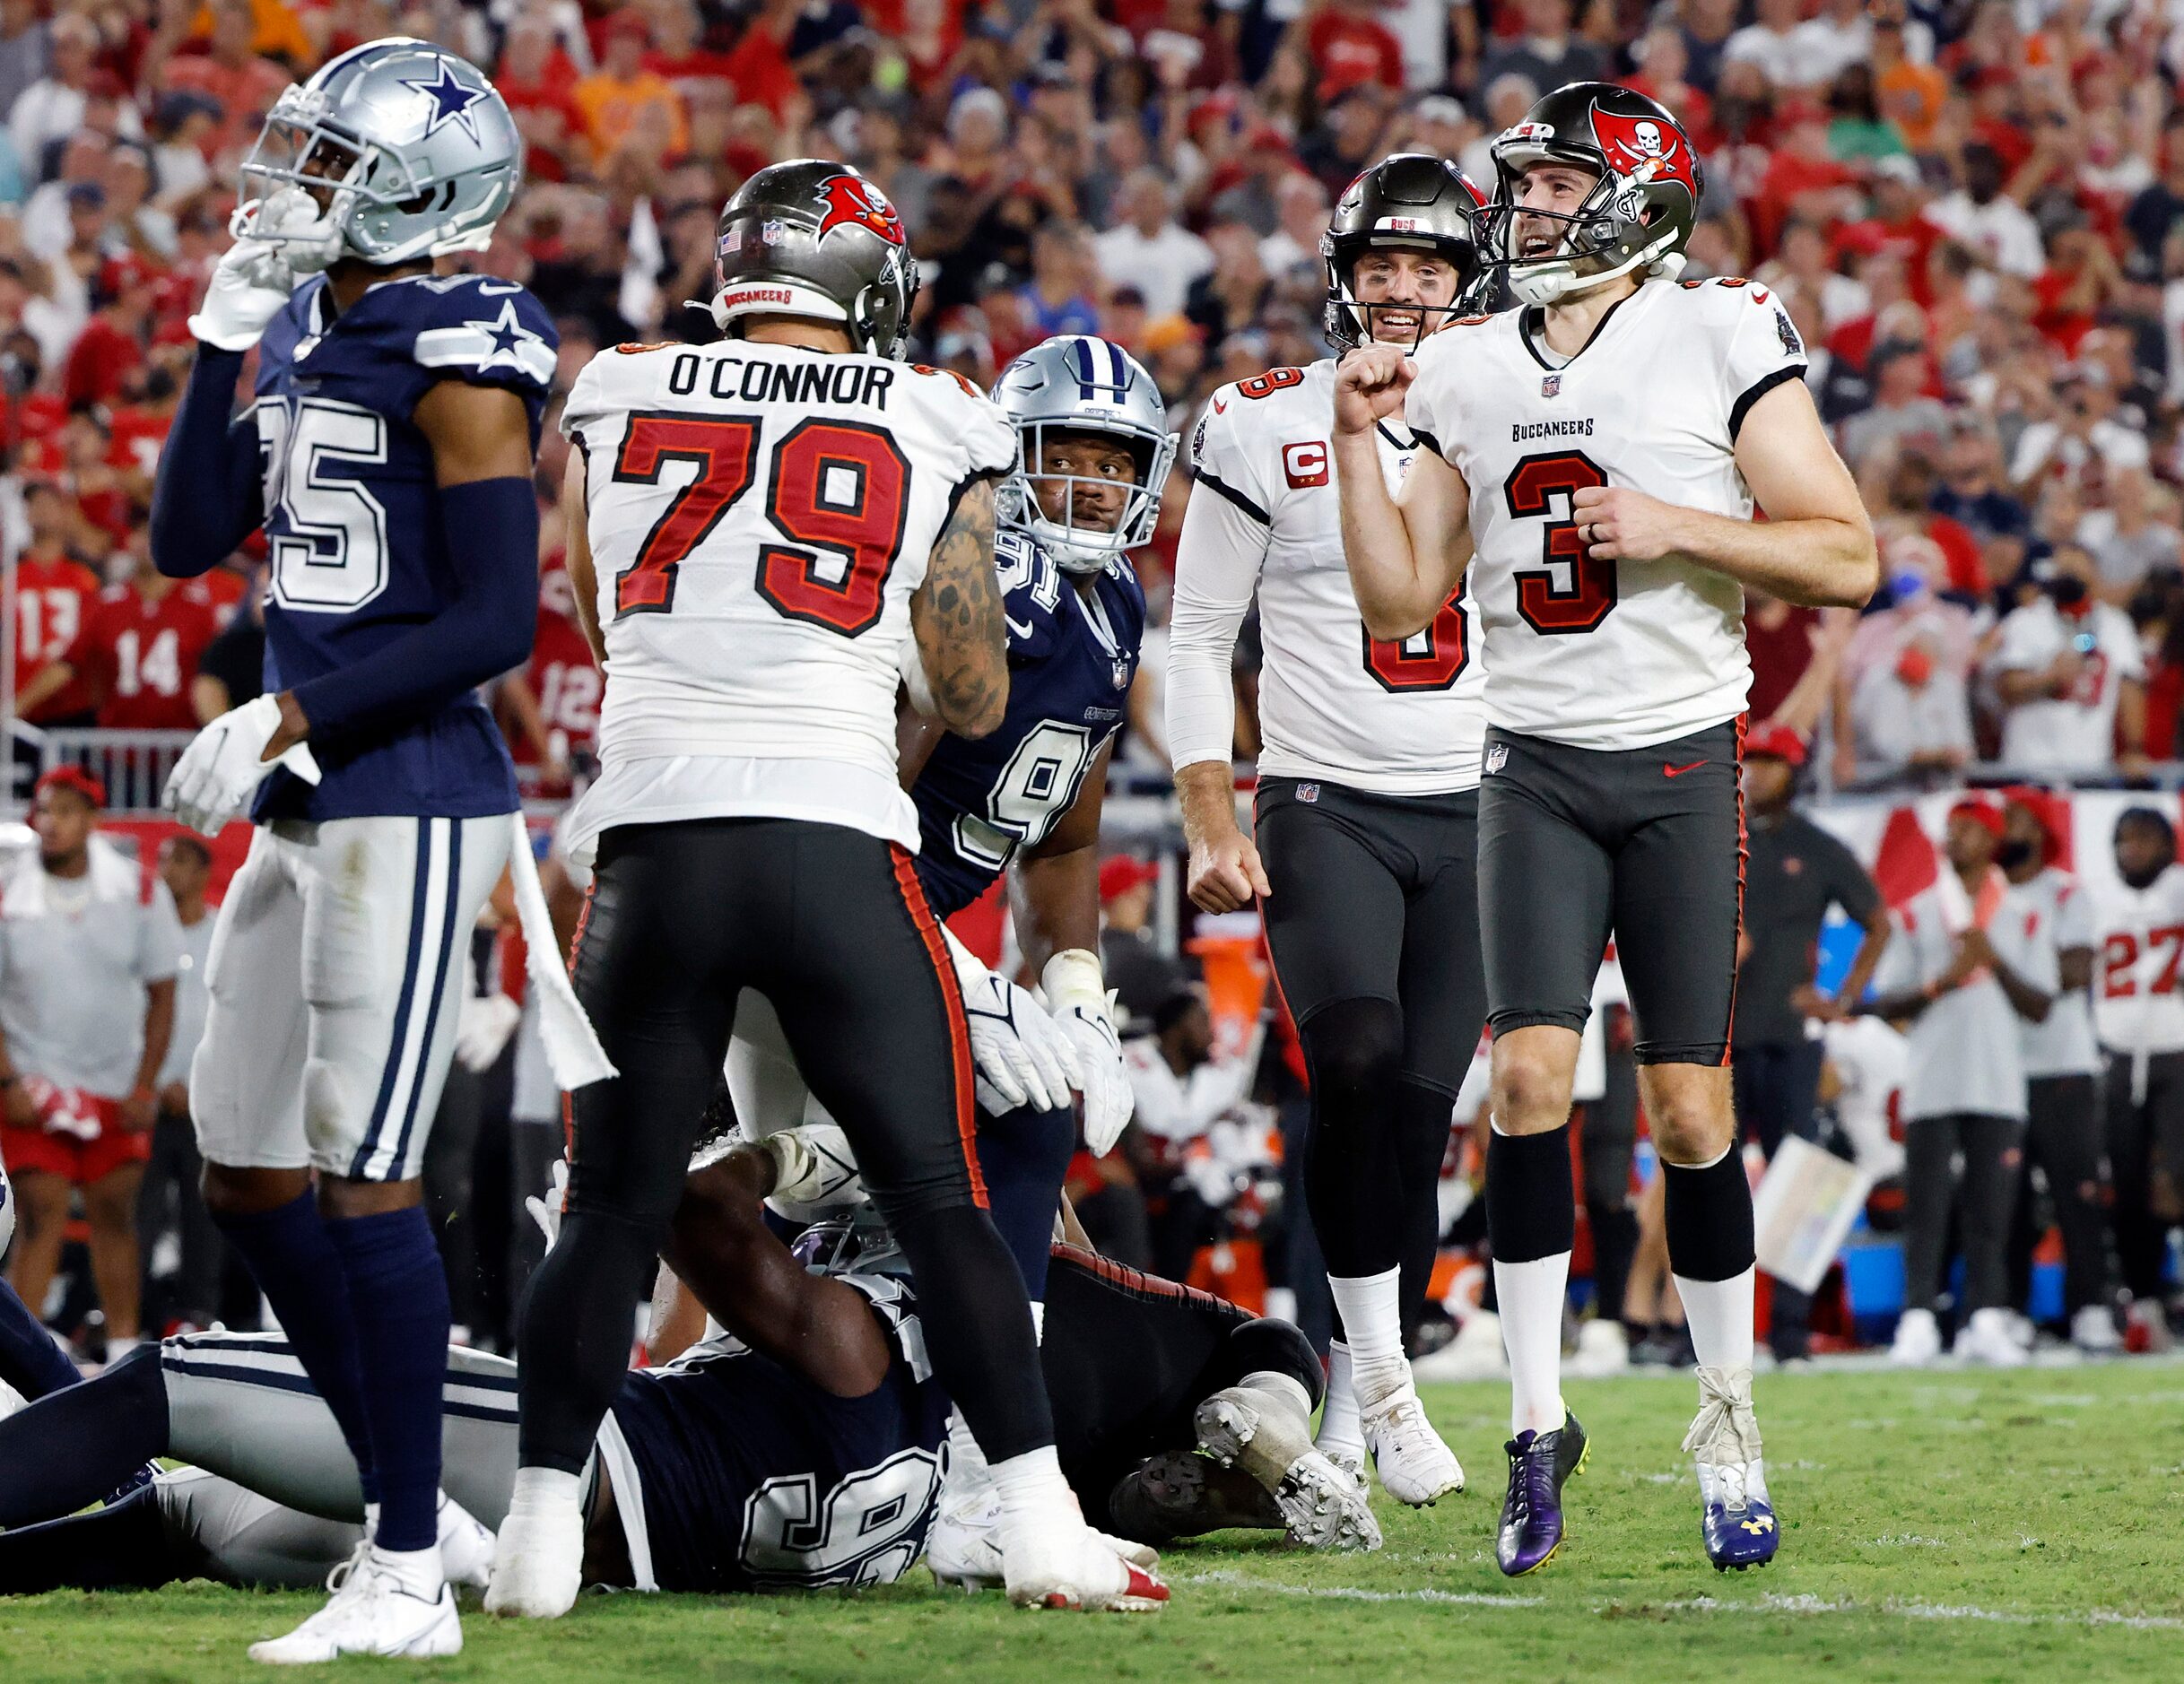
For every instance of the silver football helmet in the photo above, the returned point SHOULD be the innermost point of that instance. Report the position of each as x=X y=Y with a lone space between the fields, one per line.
x=408 y=151
x=1077 y=384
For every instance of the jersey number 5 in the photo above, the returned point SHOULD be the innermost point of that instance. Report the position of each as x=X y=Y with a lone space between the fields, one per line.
x=1568 y=592
x=840 y=488
x=1431 y=659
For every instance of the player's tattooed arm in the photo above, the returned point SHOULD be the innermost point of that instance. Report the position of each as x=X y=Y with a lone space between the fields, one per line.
x=957 y=618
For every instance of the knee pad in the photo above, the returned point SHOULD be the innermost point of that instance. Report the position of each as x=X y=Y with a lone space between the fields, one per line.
x=1353 y=1049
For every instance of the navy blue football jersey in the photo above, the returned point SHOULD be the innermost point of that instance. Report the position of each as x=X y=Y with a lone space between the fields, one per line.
x=753 y=1478
x=356 y=546
x=1072 y=656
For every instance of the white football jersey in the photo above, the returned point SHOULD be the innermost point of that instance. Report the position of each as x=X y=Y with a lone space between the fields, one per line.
x=1264 y=517
x=2138 y=1005
x=2061 y=1044
x=1605 y=655
x=759 y=517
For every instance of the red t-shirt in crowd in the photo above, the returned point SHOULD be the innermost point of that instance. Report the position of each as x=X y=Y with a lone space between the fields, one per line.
x=98 y=361
x=1779 y=655
x=53 y=600
x=561 y=673
x=140 y=655
x=1351 y=50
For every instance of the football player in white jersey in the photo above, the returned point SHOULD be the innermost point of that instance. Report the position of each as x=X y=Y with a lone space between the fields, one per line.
x=1601 y=451
x=764 y=535
x=1366 y=813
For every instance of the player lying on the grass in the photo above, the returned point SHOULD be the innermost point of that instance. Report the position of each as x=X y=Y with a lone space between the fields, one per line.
x=801 y=1448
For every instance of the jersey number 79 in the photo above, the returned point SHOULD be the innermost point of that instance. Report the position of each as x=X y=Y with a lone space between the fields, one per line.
x=839 y=488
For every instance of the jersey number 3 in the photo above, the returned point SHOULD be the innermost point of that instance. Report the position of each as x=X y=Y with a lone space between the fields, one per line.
x=840 y=488
x=1570 y=591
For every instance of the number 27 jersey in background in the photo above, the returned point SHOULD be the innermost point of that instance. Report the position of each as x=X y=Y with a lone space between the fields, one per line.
x=760 y=516
x=355 y=538
x=1072 y=657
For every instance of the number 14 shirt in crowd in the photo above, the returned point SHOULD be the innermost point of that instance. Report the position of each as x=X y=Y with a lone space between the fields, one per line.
x=139 y=652
x=760 y=516
x=1604 y=654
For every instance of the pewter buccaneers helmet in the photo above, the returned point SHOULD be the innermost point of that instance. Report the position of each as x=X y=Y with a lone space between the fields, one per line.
x=1412 y=201
x=1641 y=212
x=418 y=149
x=1079 y=384
x=816 y=238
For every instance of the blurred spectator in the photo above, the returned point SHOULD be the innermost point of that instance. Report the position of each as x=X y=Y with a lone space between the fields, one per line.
x=1981 y=215
x=231 y=669
x=52 y=107
x=1140 y=975
x=1901 y=411
x=88 y=948
x=1547 y=54
x=553 y=705
x=231 y=74
x=1147 y=250
x=614 y=100
x=25 y=50
x=1903 y=703
x=170 y=1207
x=1970 y=961
x=1183 y=1095
x=55 y=595
x=2132 y=538
x=2071 y=675
x=138 y=650
x=1063 y=276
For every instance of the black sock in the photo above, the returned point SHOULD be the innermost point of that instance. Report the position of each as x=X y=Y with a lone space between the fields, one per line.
x=122 y=1547
x=1708 y=1214
x=74 y=1446
x=1024 y=1155
x=1614 y=1243
x=30 y=1360
x=1531 y=1205
x=300 y=1273
x=1352 y=1048
x=983 y=1348
x=575 y=1333
x=1423 y=1117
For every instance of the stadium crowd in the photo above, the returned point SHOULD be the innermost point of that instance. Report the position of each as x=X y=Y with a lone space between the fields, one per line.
x=1974 y=212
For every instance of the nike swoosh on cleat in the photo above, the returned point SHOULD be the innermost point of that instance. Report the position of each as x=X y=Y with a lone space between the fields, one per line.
x=1678 y=771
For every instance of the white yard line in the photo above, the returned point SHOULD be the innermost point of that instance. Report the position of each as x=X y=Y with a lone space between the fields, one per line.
x=1768 y=1603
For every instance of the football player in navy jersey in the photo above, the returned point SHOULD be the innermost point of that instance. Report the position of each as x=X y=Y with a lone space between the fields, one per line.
x=388 y=457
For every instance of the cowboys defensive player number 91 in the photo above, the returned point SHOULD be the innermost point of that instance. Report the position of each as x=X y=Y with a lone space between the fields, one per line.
x=1602 y=449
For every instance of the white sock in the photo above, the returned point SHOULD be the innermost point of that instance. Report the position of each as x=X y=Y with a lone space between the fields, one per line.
x=417 y=1571
x=966 y=1461
x=371 y=1520
x=1039 y=1321
x=1032 y=1487
x=1372 y=1311
x=1338 y=1422
x=1720 y=1313
x=1531 y=1296
x=543 y=1490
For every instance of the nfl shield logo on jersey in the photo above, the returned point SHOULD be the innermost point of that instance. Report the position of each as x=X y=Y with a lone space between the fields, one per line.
x=1122 y=673
x=1549 y=385
x=1497 y=757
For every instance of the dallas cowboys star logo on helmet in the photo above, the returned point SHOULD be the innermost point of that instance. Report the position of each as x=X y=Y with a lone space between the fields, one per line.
x=452 y=98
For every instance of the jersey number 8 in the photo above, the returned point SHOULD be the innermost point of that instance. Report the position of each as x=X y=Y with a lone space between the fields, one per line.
x=840 y=488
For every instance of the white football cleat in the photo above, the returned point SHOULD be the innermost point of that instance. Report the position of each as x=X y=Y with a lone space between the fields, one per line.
x=2092 y=1329
x=1054 y=1560
x=1262 y=1431
x=369 y=1613
x=1917 y=1340
x=538 y=1559
x=1988 y=1338
x=1603 y=1349
x=964 y=1547
x=466 y=1545
x=1414 y=1466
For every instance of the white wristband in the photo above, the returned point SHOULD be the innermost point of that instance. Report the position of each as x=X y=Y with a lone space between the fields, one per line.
x=1072 y=978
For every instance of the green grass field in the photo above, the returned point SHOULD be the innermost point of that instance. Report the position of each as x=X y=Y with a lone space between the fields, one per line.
x=1944 y=1526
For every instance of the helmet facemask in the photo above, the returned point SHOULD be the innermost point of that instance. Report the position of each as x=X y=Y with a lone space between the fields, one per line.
x=1084 y=536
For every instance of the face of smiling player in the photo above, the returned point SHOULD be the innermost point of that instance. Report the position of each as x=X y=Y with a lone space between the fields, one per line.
x=1394 y=290
x=1084 y=480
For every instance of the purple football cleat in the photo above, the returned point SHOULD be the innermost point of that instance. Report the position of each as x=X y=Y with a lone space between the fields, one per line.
x=1540 y=1465
x=1737 y=1518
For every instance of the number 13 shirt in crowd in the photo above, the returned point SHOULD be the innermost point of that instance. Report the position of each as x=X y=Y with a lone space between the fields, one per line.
x=760 y=516
x=1601 y=654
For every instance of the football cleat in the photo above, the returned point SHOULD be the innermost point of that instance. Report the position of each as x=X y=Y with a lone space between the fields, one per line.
x=1917 y=1340
x=538 y=1559
x=1054 y=1561
x=2092 y=1329
x=1179 y=1493
x=1414 y=1466
x=1987 y=1337
x=1260 y=1430
x=1735 y=1516
x=369 y=1613
x=964 y=1547
x=1540 y=1465
x=466 y=1545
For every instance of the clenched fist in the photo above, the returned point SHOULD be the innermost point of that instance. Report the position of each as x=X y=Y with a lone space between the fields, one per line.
x=1369 y=386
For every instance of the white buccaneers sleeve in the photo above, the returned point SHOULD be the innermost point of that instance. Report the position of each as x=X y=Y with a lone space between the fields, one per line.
x=1763 y=350
x=1223 y=544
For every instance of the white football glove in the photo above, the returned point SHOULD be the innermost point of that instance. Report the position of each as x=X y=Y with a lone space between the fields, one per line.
x=1083 y=1010
x=221 y=769
x=814 y=1172
x=547 y=1211
x=1021 y=1058
x=483 y=1027
x=252 y=281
